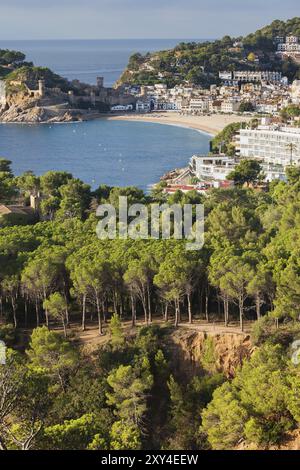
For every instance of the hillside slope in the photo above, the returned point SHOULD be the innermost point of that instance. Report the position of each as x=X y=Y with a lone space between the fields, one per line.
x=200 y=63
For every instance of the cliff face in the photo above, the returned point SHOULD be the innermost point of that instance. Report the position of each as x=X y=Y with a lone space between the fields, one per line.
x=187 y=347
x=22 y=108
x=29 y=114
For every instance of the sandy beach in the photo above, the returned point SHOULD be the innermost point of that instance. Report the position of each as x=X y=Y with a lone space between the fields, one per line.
x=211 y=124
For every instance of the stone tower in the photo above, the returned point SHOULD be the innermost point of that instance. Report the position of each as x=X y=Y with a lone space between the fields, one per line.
x=35 y=200
x=93 y=98
x=2 y=93
x=42 y=88
x=72 y=99
x=100 y=82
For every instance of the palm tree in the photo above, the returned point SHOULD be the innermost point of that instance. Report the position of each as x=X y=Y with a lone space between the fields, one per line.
x=291 y=147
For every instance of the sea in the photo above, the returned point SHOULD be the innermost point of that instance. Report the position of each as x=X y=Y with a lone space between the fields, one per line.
x=117 y=153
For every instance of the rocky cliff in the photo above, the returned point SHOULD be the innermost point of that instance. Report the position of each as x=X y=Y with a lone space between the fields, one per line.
x=21 y=108
x=38 y=115
x=187 y=347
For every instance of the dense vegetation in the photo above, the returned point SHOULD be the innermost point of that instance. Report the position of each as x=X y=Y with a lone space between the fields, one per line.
x=259 y=405
x=57 y=275
x=31 y=75
x=8 y=57
x=11 y=60
x=15 y=68
x=289 y=113
x=200 y=63
x=224 y=140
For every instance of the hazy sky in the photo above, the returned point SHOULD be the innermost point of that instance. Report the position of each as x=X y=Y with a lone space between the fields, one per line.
x=50 y=19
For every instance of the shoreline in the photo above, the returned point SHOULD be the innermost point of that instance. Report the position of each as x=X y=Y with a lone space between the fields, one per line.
x=210 y=125
x=207 y=124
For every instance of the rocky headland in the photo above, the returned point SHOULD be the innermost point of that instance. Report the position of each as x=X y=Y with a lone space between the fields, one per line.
x=26 y=113
x=30 y=94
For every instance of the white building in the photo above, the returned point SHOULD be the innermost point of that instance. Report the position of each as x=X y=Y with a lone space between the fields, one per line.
x=292 y=40
x=267 y=107
x=264 y=76
x=251 y=76
x=289 y=48
x=271 y=144
x=143 y=106
x=211 y=167
x=161 y=86
x=199 y=106
x=225 y=76
x=291 y=44
x=273 y=172
x=230 y=106
x=122 y=108
x=161 y=105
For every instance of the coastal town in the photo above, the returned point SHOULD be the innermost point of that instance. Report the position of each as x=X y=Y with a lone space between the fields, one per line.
x=273 y=145
x=149 y=230
x=264 y=102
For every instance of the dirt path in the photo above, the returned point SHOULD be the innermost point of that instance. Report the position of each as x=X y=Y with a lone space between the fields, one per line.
x=91 y=335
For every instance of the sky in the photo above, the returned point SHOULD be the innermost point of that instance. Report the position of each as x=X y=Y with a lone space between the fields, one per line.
x=101 y=19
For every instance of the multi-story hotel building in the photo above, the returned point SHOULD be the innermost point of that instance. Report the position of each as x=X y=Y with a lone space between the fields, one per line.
x=271 y=144
x=217 y=168
x=262 y=76
x=291 y=44
x=289 y=48
x=211 y=167
x=199 y=106
x=246 y=76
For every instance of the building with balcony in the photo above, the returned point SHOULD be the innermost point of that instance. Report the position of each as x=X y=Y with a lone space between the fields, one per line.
x=271 y=144
x=199 y=106
x=211 y=167
x=263 y=76
x=246 y=76
x=289 y=48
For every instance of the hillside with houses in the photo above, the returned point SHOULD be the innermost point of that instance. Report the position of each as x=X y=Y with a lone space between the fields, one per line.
x=200 y=63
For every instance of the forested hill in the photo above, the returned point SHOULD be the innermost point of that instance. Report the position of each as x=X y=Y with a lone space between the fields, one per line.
x=155 y=381
x=200 y=63
x=14 y=67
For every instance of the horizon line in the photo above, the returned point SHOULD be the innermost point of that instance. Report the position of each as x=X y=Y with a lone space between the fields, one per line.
x=109 y=39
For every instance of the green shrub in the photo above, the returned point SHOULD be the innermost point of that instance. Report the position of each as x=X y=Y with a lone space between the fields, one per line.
x=8 y=334
x=265 y=331
x=209 y=356
x=262 y=329
x=264 y=433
